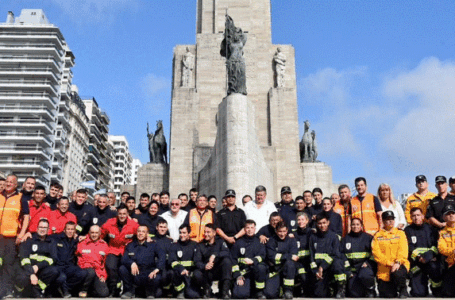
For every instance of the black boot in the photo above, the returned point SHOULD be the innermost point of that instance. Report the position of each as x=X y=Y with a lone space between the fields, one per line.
x=207 y=292
x=225 y=288
x=260 y=295
x=371 y=293
x=341 y=291
x=403 y=292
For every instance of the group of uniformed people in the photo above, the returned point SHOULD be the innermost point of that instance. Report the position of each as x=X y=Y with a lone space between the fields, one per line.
x=310 y=246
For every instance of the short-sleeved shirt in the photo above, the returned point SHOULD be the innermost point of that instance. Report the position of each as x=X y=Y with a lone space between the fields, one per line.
x=231 y=222
x=436 y=205
x=259 y=215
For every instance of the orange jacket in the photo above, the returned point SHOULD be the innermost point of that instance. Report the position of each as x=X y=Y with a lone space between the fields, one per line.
x=365 y=211
x=345 y=214
x=389 y=247
x=10 y=210
x=446 y=244
x=198 y=222
x=416 y=200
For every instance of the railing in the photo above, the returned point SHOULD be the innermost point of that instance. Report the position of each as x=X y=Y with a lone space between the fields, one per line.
x=26 y=133
x=25 y=148
x=25 y=107
x=25 y=69
x=25 y=121
x=31 y=57
x=37 y=163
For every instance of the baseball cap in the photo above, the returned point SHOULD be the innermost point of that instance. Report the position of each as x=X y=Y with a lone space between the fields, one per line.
x=388 y=215
x=451 y=179
x=285 y=189
x=229 y=193
x=441 y=178
x=448 y=208
x=420 y=178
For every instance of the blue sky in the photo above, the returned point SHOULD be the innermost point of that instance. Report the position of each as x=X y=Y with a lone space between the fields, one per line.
x=376 y=79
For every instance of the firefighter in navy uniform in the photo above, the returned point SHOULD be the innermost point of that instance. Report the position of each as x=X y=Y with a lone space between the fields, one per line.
x=181 y=259
x=302 y=236
x=38 y=256
x=83 y=211
x=423 y=256
x=361 y=268
x=282 y=257
x=286 y=205
x=436 y=205
x=290 y=215
x=103 y=211
x=267 y=231
x=326 y=259
x=213 y=261
x=165 y=243
x=66 y=257
x=141 y=266
x=248 y=256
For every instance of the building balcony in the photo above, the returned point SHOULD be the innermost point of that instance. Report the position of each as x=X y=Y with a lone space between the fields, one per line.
x=30 y=84
x=31 y=59
x=25 y=165
x=37 y=124
x=26 y=136
x=25 y=150
x=89 y=176
x=19 y=110
x=41 y=49
x=57 y=177
x=27 y=36
x=43 y=97
x=41 y=72
x=59 y=153
x=92 y=157
x=91 y=167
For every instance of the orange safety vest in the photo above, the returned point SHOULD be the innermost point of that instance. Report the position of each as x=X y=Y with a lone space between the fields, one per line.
x=344 y=213
x=10 y=210
x=198 y=222
x=364 y=210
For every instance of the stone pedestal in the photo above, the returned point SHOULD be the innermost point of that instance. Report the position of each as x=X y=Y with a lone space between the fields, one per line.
x=236 y=161
x=152 y=178
x=318 y=174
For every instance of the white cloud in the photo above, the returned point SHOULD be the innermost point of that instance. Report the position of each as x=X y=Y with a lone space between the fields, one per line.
x=156 y=92
x=152 y=84
x=423 y=138
x=104 y=12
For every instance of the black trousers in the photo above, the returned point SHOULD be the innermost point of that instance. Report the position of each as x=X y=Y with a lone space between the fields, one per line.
x=112 y=267
x=73 y=276
x=335 y=271
x=421 y=274
x=284 y=278
x=390 y=289
x=131 y=282
x=93 y=285
x=222 y=271
x=8 y=267
x=46 y=277
x=186 y=284
x=254 y=280
x=361 y=282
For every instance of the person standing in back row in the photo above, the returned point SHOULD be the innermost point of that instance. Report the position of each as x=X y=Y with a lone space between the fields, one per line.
x=366 y=207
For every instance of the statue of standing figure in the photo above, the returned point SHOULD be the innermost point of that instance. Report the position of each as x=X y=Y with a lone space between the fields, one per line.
x=280 y=67
x=308 y=145
x=187 y=68
x=232 y=48
x=157 y=144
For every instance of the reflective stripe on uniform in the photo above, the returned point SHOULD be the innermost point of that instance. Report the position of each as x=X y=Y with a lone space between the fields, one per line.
x=40 y=258
x=303 y=253
x=119 y=284
x=418 y=252
x=1 y=261
x=358 y=255
x=313 y=265
x=235 y=268
x=272 y=274
x=302 y=271
x=346 y=264
x=324 y=256
x=278 y=258
x=414 y=270
x=258 y=258
x=185 y=263
x=435 y=284
x=340 y=277
x=288 y=282
x=25 y=261
x=79 y=228
x=179 y=287
x=260 y=285
x=42 y=285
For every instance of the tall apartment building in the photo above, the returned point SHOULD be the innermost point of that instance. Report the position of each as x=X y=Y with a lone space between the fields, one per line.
x=101 y=153
x=122 y=163
x=135 y=168
x=33 y=120
x=78 y=143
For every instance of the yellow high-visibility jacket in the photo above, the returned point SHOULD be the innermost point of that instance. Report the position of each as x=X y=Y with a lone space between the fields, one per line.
x=389 y=247
x=416 y=200
x=446 y=244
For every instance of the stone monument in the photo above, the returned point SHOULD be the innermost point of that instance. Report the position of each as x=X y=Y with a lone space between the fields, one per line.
x=154 y=176
x=236 y=141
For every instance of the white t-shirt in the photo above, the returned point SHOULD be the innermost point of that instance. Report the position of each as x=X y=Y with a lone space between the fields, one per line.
x=259 y=215
x=398 y=212
x=174 y=223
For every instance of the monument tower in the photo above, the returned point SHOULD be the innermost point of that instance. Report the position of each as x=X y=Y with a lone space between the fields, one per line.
x=202 y=138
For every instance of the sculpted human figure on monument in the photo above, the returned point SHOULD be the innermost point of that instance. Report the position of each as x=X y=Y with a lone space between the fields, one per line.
x=187 y=68
x=232 y=48
x=315 y=146
x=157 y=144
x=280 y=67
x=306 y=145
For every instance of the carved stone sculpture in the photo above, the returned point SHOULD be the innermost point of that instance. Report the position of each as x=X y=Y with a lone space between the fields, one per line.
x=280 y=67
x=315 y=146
x=232 y=48
x=187 y=68
x=306 y=145
x=157 y=144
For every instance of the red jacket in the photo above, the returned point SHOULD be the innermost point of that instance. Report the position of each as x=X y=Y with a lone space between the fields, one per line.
x=57 y=221
x=37 y=213
x=93 y=255
x=118 y=240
